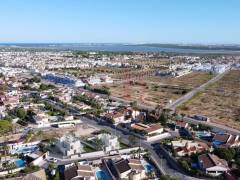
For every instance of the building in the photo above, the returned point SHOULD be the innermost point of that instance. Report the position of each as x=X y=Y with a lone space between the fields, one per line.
x=41 y=119
x=85 y=171
x=212 y=164
x=187 y=147
x=122 y=168
x=149 y=130
x=116 y=117
x=79 y=83
x=93 y=80
x=200 y=118
x=69 y=145
x=38 y=175
x=110 y=142
x=181 y=125
x=138 y=171
x=37 y=158
x=226 y=140
x=70 y=171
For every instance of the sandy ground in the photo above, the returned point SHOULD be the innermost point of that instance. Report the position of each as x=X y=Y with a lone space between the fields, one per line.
x=220 y=101
x=152 y=96
x=79 y=130
x=12 y=137
x=192 y=80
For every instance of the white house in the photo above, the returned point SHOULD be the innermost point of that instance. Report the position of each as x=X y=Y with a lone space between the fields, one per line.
x=110 y=142
x=79 y=83
x=41 y=119
x=69 y=145
x=116 y=117
x=93 y=80
x=135 y=113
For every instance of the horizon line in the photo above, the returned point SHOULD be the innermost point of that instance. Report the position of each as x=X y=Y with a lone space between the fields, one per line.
x=126 y=43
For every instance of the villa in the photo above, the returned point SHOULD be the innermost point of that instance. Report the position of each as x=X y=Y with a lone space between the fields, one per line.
x=111 y=142
x=181 y=125
x=85 y=171
x=212 y=164
x=226 y=140
x=186 y=147
x=148 y=129
x=116 y=117
x=138 y=171
x=122 y=168
x=41 y=119
x=69 y=145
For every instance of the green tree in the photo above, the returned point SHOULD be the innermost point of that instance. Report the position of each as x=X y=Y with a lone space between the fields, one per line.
x=162 y=119
x=21 y=113
x=225 y=153
x=184 y=165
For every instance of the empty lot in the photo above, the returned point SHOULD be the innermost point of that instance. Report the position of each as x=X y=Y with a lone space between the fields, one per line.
x=155 y=90
x=220 y=101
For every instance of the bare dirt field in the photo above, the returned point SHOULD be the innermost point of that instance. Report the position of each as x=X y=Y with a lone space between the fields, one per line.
x=154 y=90
x=79 y=130
x=147 y=94
x=220 y=101
x=192 y=80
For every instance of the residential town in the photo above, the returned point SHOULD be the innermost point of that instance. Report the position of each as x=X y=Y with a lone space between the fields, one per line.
x=62 y=116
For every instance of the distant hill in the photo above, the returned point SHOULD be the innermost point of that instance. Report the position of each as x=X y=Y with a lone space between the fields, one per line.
x=195 y=47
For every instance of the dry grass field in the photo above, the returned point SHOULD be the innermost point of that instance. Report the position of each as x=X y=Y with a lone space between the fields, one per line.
x=154 y=91
x=148 y=94
x=220 y=101
x=192 y=80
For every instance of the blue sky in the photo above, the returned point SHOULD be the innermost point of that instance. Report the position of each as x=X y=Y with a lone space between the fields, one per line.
x=124 y=21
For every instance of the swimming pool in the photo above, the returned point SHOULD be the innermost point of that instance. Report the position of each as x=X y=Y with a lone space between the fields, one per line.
x=19 y=163
x=28 y=149
x=148 y=168
x=101 y=175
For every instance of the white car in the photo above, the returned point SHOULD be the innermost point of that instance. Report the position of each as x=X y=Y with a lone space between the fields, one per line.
x=52 y=160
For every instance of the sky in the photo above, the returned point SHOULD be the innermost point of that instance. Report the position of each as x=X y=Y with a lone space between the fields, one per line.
x=120 y=21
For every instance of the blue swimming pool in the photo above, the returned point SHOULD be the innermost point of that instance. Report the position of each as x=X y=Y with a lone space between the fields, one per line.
x=28 y=149
x=148 y=168
x=19 y=163
x=101 y=175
